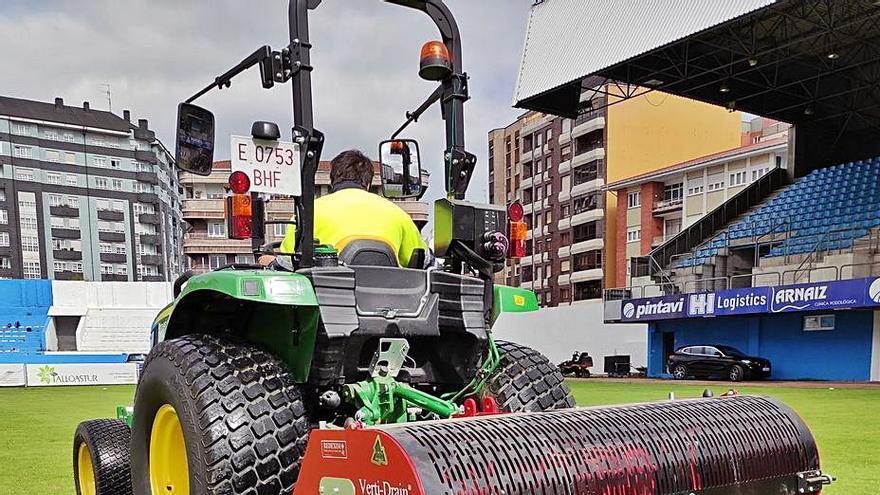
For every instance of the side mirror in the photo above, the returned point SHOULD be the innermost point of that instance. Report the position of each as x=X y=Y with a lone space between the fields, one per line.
x=401 y=168
x=195 y=139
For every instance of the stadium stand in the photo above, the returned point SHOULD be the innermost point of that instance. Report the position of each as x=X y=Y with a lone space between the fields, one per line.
x=23 y=319
x=828 y=210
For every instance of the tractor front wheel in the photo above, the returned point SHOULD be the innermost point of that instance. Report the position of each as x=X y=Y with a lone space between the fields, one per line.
x=213 y=415
x=525 y=380
x=100 y=458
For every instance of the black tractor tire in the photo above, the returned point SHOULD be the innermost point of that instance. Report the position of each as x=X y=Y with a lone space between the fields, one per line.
x=735 y=373
x=582 y=373
x=680 y=372
x=525 y=380
x=106 y=441
x=243 y=419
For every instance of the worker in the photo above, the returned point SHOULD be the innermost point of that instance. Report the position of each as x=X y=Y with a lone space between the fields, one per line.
x=351 y=212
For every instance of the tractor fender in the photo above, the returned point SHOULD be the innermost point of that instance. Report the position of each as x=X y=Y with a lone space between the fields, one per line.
x=512 y=300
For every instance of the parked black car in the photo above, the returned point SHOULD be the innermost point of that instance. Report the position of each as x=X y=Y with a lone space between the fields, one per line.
x=705 y=361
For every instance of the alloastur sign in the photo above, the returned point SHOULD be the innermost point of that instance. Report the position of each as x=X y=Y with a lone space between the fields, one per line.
x=272 y=166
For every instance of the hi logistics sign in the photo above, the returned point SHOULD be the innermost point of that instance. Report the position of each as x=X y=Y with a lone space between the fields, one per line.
x=816 y=296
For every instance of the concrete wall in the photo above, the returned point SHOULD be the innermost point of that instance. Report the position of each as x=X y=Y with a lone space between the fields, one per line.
x=849 y=352
x=558 y=332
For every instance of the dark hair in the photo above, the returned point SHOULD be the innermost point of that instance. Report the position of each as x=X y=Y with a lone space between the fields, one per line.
x=351 y=165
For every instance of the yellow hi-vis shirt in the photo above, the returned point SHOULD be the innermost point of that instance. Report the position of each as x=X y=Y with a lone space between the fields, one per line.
x=350 y=214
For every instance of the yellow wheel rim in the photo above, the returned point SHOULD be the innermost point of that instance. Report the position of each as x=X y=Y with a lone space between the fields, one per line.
x=85 y=471
x=169 y=471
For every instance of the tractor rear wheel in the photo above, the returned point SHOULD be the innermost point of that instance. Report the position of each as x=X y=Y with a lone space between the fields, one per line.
x=100 y=458
x=525 y=380
x=213 y=415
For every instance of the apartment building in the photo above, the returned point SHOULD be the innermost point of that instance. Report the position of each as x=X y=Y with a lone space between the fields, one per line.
x=655 y=206
x=206 y=245
x=559 y=167
x=85 y=195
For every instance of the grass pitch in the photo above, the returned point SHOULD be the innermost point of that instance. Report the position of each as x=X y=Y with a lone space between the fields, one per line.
x=37 y=425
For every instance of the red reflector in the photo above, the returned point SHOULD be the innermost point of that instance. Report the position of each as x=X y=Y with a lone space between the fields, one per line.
x=515 y=212
x=242 y=228
x=239 y=182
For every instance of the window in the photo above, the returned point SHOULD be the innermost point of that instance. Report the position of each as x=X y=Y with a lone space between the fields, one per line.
x=20 y=129
x=4 y=217
x=565 y=266
x=695 y=188
x=717 y=185
x=116 y=184
x=114 y=163
x=2 y=194
x=5 y=264
x=673 y=192
x=50 y=134
x=634 y=199
x=244 y=258
x=101 y=182
x=77 y=267
x=99 y=161
x=758 y=173
x=738 y=178
x=106 y=269
x=119 y=248
x=30 y=244
x=70 y=180
x=59 y=266
x=566 y=126
x=4 y=239
x=633 y=235
x=53 y=156
x=31 y=269
x=818 y=323
x=73 y=201
x=22 y=151
x=24 y=174
x=279 y=229
x=68 y=137
x=122 y=269
x=53 y=178
x=28 y=223
x=216 y=261
x=216 y=229
x=69 y=157
x=106 y=248
x=57 y=222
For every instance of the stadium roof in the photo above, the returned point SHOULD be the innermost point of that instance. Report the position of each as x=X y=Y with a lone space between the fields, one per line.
x=805 y=61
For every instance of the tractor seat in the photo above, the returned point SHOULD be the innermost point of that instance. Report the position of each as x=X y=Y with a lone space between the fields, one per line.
x=368 y=252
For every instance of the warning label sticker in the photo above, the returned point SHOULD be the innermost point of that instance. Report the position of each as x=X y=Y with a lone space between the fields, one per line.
x=334 y=449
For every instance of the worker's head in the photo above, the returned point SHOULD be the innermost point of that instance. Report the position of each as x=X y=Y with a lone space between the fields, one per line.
x=351 y=166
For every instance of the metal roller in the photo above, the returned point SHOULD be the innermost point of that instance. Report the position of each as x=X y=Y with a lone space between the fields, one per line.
x=732 y=445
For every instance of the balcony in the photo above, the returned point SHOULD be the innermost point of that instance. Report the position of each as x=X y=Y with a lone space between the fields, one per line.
x=593 y=154
x=108 y=236
x=588 y=126
x=565 y=166
x=152 y=278
x=63 y=233
x=586 y=187
x=68 y=276
x=668 y=206
x=586 y=216
x=146 y=156
x=148 y=198
x=113 y=277
x=527 y=156
x=203 y=208
x=200 y=243
x=64 y=211
x=563 y=279
x=113 y=258
x=66 y=255
x=149 y=218
x=588 y=245
x=151 y=239
x=586 y=275
x=151 y=259
x=111 y=215
x=147 y=177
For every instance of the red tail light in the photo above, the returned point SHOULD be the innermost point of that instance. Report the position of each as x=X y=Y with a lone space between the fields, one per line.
x=516 y=231
x=239 y=182
x=239 y=224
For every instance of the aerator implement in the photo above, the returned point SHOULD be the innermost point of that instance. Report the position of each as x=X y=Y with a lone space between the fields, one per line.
x=336 y=371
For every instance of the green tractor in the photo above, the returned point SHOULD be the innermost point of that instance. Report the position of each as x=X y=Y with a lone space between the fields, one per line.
x=246 y=361
x=337 y=372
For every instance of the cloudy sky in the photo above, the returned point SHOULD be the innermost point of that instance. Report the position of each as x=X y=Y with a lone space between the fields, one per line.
x=154 y=54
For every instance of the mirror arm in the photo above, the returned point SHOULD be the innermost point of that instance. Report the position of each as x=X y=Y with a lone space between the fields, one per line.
x=415 y=114
x=262 y=56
